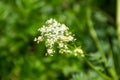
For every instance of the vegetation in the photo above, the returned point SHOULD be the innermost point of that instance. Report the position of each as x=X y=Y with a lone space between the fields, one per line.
x=95 y=23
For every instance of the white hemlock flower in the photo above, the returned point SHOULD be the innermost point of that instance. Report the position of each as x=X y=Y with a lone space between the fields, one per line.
x=55 y=33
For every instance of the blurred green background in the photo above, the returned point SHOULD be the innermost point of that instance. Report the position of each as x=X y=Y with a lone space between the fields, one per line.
x=22 y=59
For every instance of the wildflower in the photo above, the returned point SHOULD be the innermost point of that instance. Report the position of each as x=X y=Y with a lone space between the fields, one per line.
x=53 y=33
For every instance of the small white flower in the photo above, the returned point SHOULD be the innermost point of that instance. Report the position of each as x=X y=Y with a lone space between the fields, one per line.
x=70 y=38
x=40 y=38
x=49 y=43
x=35 y=39
x=61 y=45
x=50 y=51
x=49 y=21
x=64 y=27
x=55 y=23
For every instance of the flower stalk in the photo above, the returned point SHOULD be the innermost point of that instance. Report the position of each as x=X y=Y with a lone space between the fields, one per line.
x=94 y=35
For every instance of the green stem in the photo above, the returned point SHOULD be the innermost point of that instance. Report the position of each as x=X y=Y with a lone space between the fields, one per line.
x=118 y=20
x=112 y=68
x=97 y=42
x=94 y=35
x=97 y=71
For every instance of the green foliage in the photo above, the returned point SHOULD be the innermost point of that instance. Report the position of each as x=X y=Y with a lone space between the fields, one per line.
x=22 y=59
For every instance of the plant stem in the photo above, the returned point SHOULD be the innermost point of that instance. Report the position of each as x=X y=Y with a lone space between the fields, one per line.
x=97 y=42
x=118 y=20
x=94 y=35
x=112 y=68
x=97 y=71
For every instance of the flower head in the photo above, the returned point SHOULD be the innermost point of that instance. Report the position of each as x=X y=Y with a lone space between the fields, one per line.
x=78 y=51
x=53 y=33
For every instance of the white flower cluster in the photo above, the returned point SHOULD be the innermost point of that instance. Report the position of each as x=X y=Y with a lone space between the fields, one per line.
x=55 y=33
x=78 y=51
